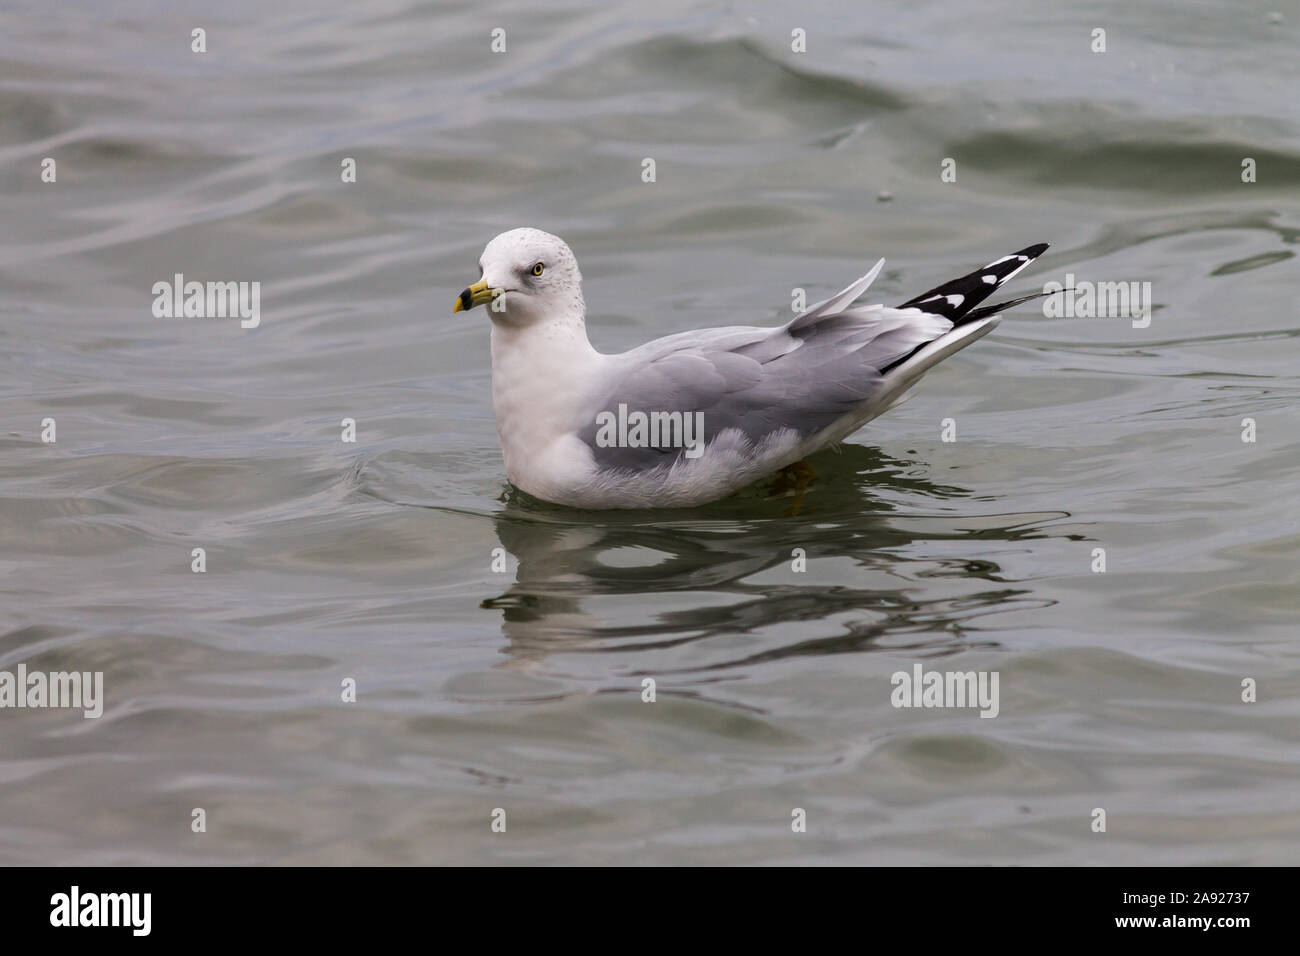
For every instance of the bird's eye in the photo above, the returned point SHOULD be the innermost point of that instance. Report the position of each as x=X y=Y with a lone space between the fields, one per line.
x=537 y=269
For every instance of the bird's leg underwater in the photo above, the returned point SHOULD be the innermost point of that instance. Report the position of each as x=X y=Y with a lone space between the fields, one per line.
x=796 y=477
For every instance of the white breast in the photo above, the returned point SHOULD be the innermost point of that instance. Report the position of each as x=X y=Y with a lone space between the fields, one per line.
x=538 y=408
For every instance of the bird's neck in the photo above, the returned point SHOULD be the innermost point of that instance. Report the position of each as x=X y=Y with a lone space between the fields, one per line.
x=532 y=351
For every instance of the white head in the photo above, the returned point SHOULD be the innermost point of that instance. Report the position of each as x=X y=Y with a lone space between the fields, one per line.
x=528 y=276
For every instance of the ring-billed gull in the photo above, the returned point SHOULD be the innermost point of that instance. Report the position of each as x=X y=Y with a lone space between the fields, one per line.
x=692 y=417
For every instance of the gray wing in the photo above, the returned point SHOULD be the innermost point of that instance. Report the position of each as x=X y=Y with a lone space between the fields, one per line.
x=802 y=376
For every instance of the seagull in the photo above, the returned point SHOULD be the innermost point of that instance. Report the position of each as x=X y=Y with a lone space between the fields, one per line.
x=691 y=418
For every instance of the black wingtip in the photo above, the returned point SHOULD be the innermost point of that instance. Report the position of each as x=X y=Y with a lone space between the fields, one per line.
x=985 y=311
x=956 y=300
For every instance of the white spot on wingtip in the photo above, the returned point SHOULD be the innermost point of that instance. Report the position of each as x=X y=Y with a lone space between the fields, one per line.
x=991 y=280
x=956 y=300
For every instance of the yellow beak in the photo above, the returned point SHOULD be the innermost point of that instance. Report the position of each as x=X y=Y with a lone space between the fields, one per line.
x=477 y=294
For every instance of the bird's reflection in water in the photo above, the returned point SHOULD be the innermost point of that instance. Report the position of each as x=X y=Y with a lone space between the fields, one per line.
x=570 y=560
